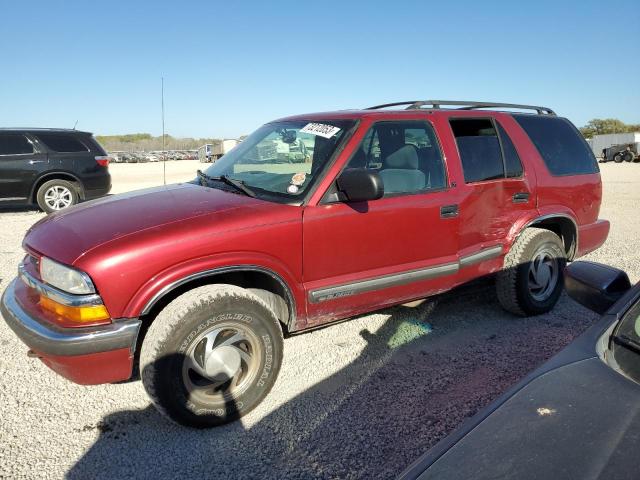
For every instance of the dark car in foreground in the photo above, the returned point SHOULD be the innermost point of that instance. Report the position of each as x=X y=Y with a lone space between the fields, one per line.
x=575 y=417
x=53 y=168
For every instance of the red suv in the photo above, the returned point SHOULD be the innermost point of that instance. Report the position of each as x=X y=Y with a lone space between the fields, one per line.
x=311 y=219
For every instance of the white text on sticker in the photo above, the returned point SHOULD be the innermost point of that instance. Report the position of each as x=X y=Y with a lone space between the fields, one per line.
x=320 y=129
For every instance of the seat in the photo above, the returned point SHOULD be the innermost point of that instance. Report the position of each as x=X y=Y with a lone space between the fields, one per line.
x=400 y=173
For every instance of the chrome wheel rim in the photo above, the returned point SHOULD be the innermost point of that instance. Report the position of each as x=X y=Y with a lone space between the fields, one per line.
x=544 y=272
x=221 y=363
x=58 y=197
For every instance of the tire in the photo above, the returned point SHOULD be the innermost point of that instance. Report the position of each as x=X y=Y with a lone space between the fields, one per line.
x=627 y=156
x=174 y=358
x=55 y=195
x=530 y=282
x=618 y=157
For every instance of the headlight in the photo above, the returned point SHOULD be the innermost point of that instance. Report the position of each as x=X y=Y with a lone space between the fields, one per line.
x=65 y=278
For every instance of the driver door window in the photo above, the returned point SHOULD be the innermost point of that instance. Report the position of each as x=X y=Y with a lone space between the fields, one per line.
x=405 y=154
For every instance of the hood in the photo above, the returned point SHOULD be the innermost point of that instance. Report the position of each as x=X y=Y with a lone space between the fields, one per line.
x=67 y=235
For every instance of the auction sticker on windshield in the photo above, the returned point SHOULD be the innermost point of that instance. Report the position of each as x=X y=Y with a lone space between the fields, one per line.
x=320 y=129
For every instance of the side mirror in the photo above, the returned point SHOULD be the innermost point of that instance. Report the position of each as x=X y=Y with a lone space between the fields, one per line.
x=360 y=185
x=594 y=285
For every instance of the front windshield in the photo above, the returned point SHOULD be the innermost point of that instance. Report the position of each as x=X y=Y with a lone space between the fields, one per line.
x=283 y=159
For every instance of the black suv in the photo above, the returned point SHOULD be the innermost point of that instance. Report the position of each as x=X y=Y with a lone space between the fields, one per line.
x=55 y=168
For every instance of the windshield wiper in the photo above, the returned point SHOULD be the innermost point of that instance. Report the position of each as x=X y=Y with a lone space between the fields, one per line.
x=237 y=184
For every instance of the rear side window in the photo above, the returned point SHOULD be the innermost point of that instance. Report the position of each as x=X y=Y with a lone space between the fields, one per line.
x=479 y=149
x=560 y=145
x=93 y=145
x=512 y=163
x=14 y=144
x=62 y=143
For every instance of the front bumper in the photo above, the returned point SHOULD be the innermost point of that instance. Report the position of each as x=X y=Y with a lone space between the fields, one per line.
x=87 y=355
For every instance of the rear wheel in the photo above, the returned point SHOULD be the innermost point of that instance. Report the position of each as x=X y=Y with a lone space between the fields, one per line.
x=211 y=355
x=530 y=282
x=627 y=156
x=55 y=195
x=618 y=158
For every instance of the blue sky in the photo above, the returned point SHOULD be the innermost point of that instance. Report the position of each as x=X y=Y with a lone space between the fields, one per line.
x=231 y=66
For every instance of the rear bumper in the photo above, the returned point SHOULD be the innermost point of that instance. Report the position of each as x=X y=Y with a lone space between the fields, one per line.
x=96 y=193
x=88 y=355
x=592 y=236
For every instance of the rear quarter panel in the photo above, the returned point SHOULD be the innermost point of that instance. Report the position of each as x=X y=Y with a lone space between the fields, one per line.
x=577 y=195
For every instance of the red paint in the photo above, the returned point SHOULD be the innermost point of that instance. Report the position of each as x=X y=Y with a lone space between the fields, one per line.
x=134 y=245
x=93 y=368
x=592 y=236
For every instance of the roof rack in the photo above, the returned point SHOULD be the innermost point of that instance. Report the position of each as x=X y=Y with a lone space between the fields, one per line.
x=462 y=105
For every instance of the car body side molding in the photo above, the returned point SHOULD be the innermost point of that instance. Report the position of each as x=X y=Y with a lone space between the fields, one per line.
x=402 y=278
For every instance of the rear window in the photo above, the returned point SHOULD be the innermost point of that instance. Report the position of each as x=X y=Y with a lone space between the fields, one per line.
x=14 y=144
x=62 y=143
x=563 y=149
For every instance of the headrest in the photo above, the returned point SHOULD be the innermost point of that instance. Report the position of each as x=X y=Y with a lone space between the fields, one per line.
x=405 y=157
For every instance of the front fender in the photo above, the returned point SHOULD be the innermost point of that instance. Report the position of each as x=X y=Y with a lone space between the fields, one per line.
x=164 y=282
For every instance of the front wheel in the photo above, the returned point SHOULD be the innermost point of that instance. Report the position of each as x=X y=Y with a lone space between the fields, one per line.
x=211 y=355
x=530 y=282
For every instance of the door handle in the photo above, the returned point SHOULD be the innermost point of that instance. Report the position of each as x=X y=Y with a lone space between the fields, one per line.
x=449 y=211
x=520 y=197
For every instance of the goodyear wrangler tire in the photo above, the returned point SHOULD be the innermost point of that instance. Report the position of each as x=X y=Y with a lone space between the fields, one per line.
x=530 y=282
x=211 y=355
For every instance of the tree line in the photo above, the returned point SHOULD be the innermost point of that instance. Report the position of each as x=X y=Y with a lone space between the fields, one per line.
x=137 y=142
x=599 y=126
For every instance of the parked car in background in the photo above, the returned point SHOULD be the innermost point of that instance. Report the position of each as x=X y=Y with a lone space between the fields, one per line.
x=54 y=168
x=388 y=206
x=575 y=417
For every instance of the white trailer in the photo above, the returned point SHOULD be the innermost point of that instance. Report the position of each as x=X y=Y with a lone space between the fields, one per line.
x=210 y=152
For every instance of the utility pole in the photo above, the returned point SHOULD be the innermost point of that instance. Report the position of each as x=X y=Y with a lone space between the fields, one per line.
x=164 y=155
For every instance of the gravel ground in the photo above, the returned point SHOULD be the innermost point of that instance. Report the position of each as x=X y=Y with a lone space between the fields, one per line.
x=361 y=399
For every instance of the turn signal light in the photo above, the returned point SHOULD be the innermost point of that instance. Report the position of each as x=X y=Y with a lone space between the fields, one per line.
x=76 y=316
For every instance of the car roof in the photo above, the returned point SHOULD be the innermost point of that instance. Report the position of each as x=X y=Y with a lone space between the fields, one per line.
x=395 y=114
x=430 y=107
x=42 y=130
